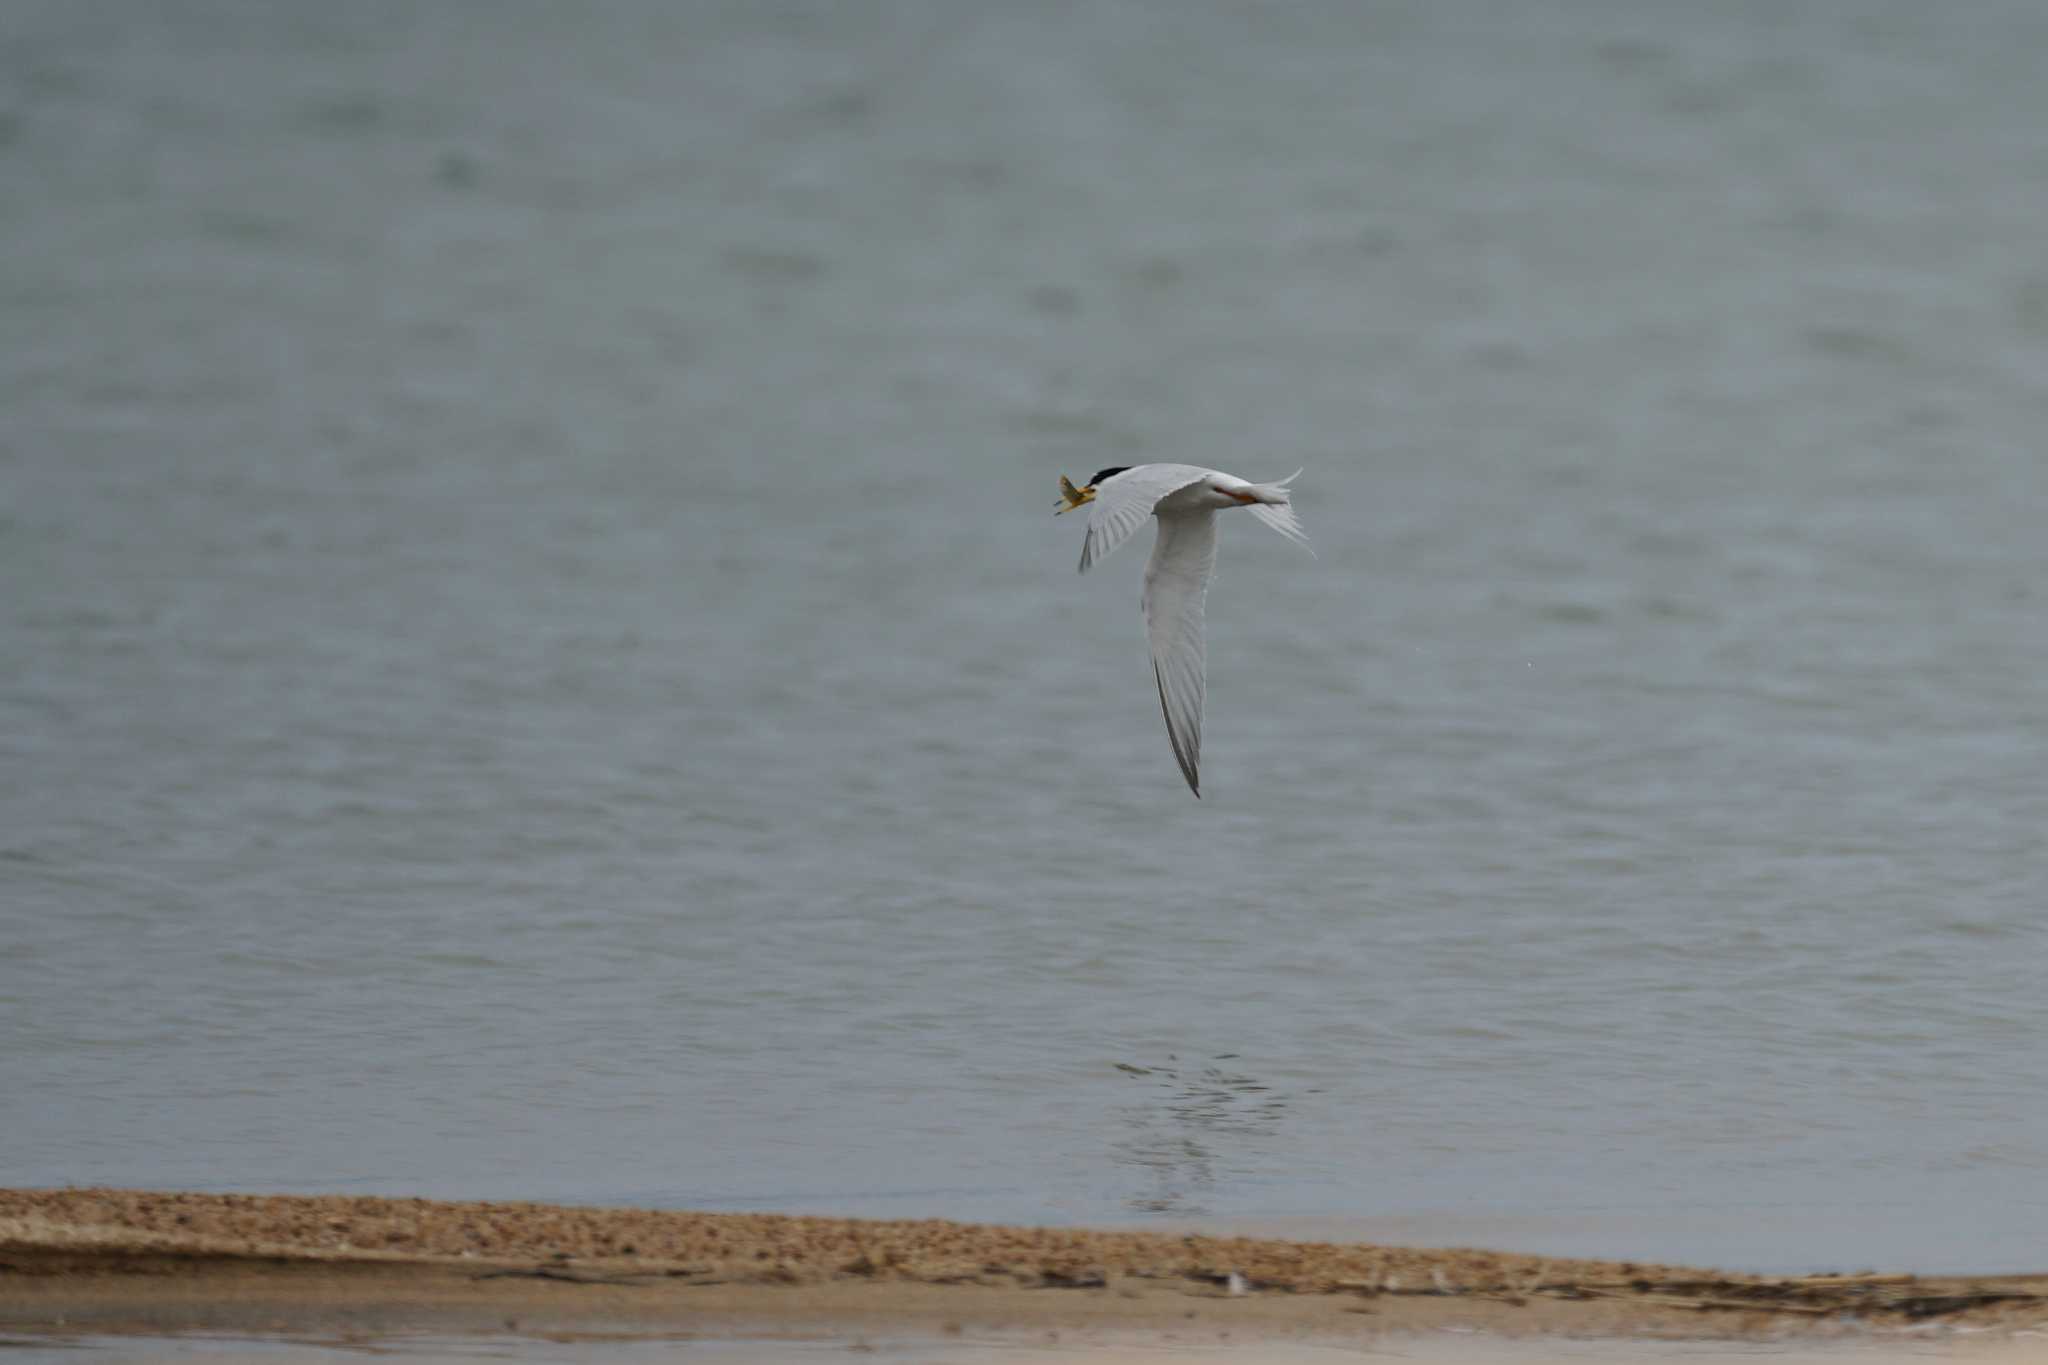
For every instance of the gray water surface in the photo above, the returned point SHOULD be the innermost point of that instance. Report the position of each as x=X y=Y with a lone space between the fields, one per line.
x=538 y=664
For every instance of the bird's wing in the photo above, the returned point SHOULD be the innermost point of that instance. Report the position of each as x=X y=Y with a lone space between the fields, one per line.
x=1176 y=586
x=1123 y=502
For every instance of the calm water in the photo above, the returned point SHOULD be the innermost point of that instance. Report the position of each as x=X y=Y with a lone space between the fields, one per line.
x=537 y=661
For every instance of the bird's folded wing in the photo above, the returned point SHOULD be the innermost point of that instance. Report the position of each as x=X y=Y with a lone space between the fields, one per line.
x=1176 y=588
x=1124 y=502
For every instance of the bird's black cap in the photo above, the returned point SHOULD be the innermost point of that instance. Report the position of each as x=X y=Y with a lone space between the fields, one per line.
x=1096 y=482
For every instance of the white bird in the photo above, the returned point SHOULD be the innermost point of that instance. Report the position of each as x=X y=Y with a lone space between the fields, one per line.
x=1185 y=498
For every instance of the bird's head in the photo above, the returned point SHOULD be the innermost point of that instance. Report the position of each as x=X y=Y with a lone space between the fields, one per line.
x=1072 y=497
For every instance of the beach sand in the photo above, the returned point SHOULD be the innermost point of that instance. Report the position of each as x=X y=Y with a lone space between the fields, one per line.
x=89 y=1266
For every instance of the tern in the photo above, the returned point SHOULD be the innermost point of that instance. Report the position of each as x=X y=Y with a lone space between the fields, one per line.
x=1185 y=498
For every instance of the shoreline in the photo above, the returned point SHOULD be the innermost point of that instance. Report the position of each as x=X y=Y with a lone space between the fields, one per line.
x=85 y=1262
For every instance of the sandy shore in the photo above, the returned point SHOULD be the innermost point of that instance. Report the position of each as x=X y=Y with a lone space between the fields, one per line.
x=95 y=1262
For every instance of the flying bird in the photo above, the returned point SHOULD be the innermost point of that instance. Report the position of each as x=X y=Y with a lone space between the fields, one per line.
x=1185 y=498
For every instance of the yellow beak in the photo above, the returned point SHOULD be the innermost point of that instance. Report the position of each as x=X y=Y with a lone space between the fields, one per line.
x=1072 y=497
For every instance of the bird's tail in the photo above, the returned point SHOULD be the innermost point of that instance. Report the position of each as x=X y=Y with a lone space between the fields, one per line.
x=1275 y=493
x=1275 y=510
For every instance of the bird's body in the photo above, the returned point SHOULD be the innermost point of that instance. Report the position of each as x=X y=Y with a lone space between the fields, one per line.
x=1185 y=498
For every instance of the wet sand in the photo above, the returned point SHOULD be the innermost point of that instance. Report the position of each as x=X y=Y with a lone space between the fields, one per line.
x=83 y=1264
